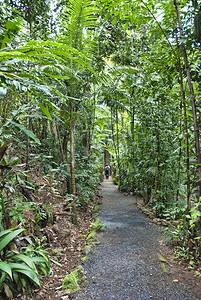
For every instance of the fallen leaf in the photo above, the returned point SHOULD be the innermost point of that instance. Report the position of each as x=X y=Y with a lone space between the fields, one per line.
x=163 y=266
x=162 y=259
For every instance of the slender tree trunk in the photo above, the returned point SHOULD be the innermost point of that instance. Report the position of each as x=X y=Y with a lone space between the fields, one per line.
x=28 y=118
x=132 y=122
x=183 y=104
x=64 y=146
x=180 y=152
x=186 y=142
x=192 y=97
x=92 y=122
x=117 y=146
x=27 y=143
x=72 y=150
x=187 y=157
x=158 y=142
x=60 y=144
x=72 y=142
x=117 y=124
x=114 y=143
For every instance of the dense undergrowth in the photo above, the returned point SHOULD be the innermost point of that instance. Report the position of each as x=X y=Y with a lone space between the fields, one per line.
x=183 y=232
x=26 y=209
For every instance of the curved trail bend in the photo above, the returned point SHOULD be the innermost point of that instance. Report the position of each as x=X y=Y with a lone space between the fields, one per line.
x=125 y=266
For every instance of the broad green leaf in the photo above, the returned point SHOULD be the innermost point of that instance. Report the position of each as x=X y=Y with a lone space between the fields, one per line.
x=4 y=232
x=6 y=240
x=39 y=259
x=6 y=268
x=27 y=132
x=26 y=271
x=45 y=110
x=51 y=105
x=27 y=260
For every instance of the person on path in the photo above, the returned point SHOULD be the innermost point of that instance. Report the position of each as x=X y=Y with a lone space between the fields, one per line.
x=107 y=171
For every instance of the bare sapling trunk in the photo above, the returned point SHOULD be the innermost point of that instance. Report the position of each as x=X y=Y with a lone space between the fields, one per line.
x=72 y=150
x=27 y=143
x=60 y=144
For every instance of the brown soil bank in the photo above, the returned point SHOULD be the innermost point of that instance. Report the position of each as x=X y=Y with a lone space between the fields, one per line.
x=132 y=260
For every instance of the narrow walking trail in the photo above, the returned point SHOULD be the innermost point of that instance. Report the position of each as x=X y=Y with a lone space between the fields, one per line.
x=126 y=264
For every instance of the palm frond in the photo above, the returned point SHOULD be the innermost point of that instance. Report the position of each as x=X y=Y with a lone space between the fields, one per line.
x=79 y=20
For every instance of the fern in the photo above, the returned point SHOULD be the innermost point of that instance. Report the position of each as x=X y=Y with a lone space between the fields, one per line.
x=79 y=21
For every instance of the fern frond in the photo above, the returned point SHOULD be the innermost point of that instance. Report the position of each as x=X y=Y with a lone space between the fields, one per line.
x=79 y=18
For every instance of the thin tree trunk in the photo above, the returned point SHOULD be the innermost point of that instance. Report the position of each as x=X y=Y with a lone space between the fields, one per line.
x=118 y=153
x=72 y=150
x=192 y=97
x=28 y=118
x=114 y=143
x=187 y=156
x=117 y=123
x=60 y=144
x=64 y=146
x=186 y=131
x=179 y=164
x=158 y=142
x=27 y=143
x=132 y=128
x=92 y=123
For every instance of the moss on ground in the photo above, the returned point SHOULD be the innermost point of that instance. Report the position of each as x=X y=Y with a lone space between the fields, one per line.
x=74 y=280
x=97 y=225
x=91 y=236
x=87 y=249
x=84 y=258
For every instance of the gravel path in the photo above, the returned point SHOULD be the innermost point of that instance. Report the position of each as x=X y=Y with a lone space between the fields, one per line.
x=125 y=265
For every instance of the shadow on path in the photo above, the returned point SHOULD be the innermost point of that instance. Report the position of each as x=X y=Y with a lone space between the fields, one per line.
x=125 y=265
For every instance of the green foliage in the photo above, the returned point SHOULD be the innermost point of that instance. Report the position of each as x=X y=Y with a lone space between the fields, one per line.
x=10 y=125
x=10 y=235
x=38 y=16
x=43 y=214
x=175 y=212
x=9 y=26
x=187 y=239
x=19 y=271
x=96 y=209
x=87 y=178
x=183 y=253
x=194 y=215
x=79 y=16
